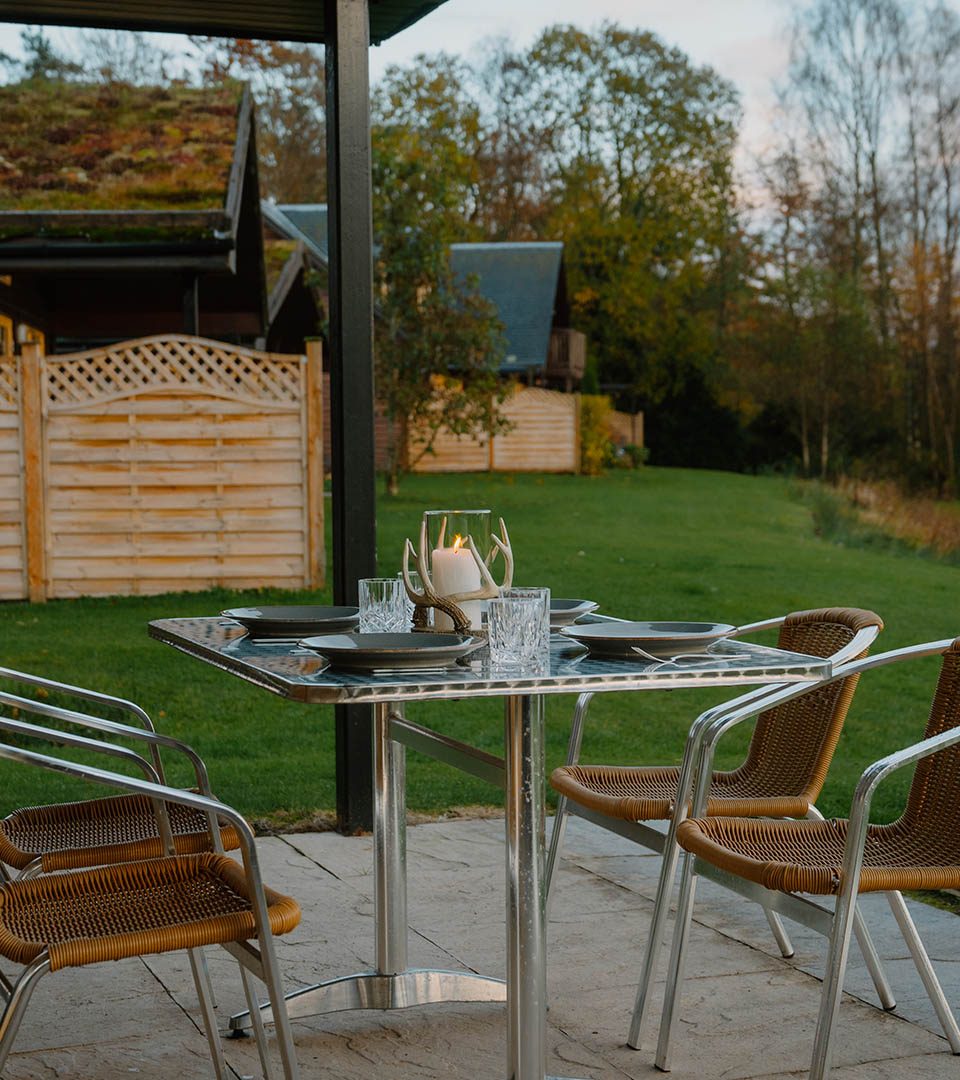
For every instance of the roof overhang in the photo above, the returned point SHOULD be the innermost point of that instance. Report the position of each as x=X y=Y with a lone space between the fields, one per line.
x=280 y=20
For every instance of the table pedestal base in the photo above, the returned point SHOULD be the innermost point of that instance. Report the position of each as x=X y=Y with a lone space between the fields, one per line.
x=369 y=990
x=522 y=776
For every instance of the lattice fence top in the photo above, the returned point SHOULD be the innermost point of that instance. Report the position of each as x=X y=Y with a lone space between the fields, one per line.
x=8 y=382
x=176 y=363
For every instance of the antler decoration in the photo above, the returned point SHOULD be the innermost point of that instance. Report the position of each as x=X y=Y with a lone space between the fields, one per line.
x=450 y=605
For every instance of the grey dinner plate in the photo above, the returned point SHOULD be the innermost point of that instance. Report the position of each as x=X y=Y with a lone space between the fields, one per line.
x=294 y=621
x=564 y=612
x=664 y=639
x=409 y=652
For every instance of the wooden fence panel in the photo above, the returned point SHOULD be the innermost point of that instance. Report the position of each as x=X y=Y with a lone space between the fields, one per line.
x=626 y=428
x=454 y=453
x=168 y=463
x=13 y=583
x=545 y=438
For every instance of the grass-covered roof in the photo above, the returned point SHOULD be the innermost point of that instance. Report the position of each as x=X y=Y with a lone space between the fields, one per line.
x=72 y=147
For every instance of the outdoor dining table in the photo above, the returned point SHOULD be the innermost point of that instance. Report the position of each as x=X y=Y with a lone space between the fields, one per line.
x=286 y=669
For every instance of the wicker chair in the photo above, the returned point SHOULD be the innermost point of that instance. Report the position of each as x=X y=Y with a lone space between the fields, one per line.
x=920 y=850
x=159 y=905
x=97 y=832
x=782 y=775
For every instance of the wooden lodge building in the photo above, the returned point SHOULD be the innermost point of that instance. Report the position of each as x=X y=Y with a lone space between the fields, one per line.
x=525 y=282
x=127 y=212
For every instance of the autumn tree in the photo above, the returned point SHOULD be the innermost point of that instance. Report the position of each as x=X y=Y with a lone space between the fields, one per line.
x=929 y=305
x=872 y=106
x=513 y=200
x=438 y=343
x=289 y=87
x=639 y=162
x=40 y=60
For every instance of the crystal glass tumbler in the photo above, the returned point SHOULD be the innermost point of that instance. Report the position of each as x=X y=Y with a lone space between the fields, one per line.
x=513 y=623
x=541 y=642
x=383 y=606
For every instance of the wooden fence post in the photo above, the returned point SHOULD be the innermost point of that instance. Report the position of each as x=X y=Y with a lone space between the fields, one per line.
x=34 y=510
x=492 y=448
x=316 y=545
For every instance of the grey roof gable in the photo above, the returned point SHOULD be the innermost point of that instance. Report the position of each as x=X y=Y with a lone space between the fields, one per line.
x=306 y=222
x=521 y=281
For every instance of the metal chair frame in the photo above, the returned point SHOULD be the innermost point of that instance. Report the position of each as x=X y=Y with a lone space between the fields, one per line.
x=665 y=844
x=81 y=692
x=147 y=734
x=837 y=925
x=709 y=726
x=261 y=962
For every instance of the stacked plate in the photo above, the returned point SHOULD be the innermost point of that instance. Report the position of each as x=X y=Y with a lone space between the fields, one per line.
x=565 y=612
x=295 y=621
x=392 y=652
x=664 y=640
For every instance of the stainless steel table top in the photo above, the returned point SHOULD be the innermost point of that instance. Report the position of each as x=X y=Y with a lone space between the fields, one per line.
x=285 y=669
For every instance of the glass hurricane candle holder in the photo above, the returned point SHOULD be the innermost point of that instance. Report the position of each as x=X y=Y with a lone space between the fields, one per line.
x=453 y=568
x=454 y=559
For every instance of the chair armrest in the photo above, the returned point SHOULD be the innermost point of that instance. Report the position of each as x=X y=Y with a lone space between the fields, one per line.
x=767 y=697
x=868 y=783
x=878 y=771
x=80 y=692
x=749 y=705
x=860 y=641
x=857 y=645
x=575 y=740
x=111 y=727
x=67 y=738
x=712 y=729
x=756 y=627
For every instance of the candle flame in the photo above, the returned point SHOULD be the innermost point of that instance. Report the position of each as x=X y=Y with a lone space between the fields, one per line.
x=457 y=542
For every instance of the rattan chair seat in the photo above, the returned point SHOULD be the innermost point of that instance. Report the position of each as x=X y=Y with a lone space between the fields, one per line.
x=807 y=856
x=132 y=910
x=647 y=793
x=120 y=828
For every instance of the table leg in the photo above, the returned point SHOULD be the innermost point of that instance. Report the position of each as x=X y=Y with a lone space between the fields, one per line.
x=526 y=895
x=389 y=844
x=393 y=985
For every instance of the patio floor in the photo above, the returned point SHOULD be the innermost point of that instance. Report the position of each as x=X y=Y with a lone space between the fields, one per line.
x=138 y=1018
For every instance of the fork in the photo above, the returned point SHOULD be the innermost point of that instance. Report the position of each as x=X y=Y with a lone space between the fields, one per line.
x=686 y=656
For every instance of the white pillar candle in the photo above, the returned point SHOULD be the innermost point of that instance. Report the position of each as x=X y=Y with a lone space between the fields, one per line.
x=454 y=570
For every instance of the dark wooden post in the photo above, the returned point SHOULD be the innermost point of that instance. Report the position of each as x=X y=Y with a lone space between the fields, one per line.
x=34 y=486
x=350 y=229
x=191 y=304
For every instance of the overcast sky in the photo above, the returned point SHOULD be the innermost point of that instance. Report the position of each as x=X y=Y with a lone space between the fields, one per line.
x=743 y=40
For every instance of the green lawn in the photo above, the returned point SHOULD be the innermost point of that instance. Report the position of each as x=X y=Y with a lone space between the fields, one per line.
x=651 y=544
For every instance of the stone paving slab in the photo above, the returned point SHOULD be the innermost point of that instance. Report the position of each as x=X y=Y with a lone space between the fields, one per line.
x=746 y=1013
